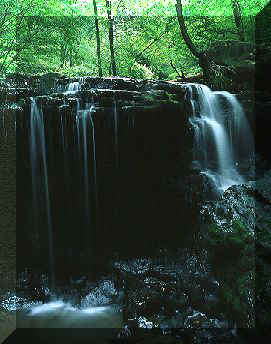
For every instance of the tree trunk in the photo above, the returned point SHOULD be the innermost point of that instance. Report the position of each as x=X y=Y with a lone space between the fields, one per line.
x=238 y=19
x=186 y=37
x=182 y=77
x=63 y=49
x=111 y=37
x=203 y=58
x=98 y=39
x=71 y=57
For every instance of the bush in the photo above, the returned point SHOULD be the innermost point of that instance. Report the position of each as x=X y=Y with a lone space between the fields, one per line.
x=140 y=71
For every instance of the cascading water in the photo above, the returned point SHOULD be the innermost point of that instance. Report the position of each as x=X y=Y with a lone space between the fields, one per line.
x=40 y=187
x=217 y=139
x=83 y=119
x=94 y=158
x=241 y=138
x=74 y=86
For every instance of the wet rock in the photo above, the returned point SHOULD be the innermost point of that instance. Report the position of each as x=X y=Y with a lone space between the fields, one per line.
x=211 y=303
x=262 y=122
x=197 y=188
x=7 y=324
x=126 y=332
x=230 y=237
x=236 y=204
x=182 y=300
x=195 y=320
x=167 y=325
x=169 y=289
x=214 y=336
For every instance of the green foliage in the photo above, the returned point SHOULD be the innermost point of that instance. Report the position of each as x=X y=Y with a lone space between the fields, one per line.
x=59 y=35
x=140 y=71
x=238 y=292
x=233 y=254
x=237 y=235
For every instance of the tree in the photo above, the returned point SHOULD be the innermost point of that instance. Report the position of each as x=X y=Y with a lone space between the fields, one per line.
x=186 y=37
x=98 y=40
x=155 y=40
x=141 y=37
x=238 y=19
x=201 y=56
x=111 y=36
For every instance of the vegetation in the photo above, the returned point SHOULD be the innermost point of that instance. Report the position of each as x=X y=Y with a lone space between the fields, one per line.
x=139 y=38
x=232 y=253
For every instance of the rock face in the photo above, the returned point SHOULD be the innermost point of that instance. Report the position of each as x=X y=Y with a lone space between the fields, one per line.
x=262 y=122
x=236 y=233
x=236 y=60
x=138 y=140
x=7 y=199
x=236 y=204
x=145 y=195
x=7 y=217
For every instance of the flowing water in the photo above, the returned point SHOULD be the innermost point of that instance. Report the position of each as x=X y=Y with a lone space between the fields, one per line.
x=40 y=188
x=82 y=124
x=222 y=140
x=57 y=314
x=74 y=86
x=85 y=129
x=222 y=135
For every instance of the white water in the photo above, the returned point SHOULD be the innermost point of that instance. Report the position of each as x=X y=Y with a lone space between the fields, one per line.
x=241 y=138
x=96 y=310
x=40 y=186
x=94 y=159
x=220 y=136
x=58 y=314
x=83 y=119
x=74 y=86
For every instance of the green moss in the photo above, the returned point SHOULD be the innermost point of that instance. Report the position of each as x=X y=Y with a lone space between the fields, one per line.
x=236 y=237
x=232 y=255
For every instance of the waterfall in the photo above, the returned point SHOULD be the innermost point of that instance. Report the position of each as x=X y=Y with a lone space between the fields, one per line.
x=241 y=138
x=94 y=151
x=220 y=135
x=78 y=133
x=40 y=186
x=83 y=119
x=74 y=86
x=94 y=166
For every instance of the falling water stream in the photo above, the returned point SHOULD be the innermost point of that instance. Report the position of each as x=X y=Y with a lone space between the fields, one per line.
x=211 y=130
x=40 y=175
x=84 y=118
x=64 y=315
x=74 y=86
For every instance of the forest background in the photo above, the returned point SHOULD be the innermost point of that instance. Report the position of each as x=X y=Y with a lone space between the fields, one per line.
x=145 y=39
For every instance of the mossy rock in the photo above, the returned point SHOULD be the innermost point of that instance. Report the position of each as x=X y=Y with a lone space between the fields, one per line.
x=232 y=255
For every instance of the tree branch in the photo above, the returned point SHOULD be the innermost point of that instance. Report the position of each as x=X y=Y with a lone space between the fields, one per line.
x=186 y=37
x=182 y=77
x=151 y=43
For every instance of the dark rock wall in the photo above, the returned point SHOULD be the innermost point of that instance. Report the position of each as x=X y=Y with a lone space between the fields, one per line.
x=7 y=199
x=135 y=206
